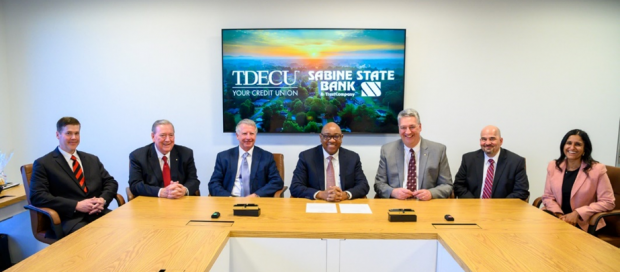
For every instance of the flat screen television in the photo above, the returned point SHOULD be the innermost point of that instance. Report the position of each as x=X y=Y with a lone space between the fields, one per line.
x=298 y=80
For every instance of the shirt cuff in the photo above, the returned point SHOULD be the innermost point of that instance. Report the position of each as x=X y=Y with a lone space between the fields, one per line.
x=159 y=192
x=350 y=195
x=186 y=191
x=314 y=196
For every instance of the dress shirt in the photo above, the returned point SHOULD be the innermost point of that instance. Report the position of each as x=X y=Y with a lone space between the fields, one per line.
x=416 y=149
x=336 y=166
x=486 y=167
x=160 y=157
x=70 y=161
x=236 y=190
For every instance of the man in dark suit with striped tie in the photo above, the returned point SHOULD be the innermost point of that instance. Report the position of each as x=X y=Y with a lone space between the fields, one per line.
x=73 y=183
x=491 y=171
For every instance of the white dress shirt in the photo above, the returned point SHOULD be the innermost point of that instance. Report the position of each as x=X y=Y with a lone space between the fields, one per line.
x=160 y=158
x=416 y=149
x=236 y=190
x=336 y=166
x=486 y=167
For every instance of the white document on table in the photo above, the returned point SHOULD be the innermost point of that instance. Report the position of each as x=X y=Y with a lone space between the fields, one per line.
x=355 y=208
x=321 y=208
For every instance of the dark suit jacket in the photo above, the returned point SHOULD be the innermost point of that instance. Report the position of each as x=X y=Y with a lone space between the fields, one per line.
x=510 y=180
x=309 y=175
x=53 y=185
x=265 y=179
x=145 y=177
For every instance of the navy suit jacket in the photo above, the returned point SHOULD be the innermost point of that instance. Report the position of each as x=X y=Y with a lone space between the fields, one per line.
x=509 y=181
x=145 y=177
x=53 y=185
x=309 y=175
x=265 y=179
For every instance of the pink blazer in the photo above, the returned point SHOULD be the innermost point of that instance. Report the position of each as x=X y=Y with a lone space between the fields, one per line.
x=591 y=193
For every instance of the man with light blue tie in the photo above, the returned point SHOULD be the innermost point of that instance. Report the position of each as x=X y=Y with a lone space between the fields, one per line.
x=245 y=170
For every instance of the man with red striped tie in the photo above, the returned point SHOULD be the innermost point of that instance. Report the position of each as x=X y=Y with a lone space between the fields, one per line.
x=73 y=183
x=492 y=171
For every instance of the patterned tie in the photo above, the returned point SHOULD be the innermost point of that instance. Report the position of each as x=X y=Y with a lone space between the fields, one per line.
x=412 y=177
x=488 y=181
x=245 y=175
x=331 y=177
x=79 y=175
x=166 y=171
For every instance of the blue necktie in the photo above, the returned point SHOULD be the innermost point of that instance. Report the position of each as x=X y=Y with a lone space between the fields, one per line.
x=245 y=175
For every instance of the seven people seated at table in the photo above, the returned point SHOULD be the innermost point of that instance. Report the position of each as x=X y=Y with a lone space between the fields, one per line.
x=78 y=187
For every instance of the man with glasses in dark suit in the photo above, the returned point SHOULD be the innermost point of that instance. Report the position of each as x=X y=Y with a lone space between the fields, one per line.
x=329 y=172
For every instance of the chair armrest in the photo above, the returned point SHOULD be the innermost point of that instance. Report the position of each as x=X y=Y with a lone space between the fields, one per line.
x=537 y=202
x=120 y=200
x=280 y=193
x=130 y=195
x=597 y=217
x=53 y=217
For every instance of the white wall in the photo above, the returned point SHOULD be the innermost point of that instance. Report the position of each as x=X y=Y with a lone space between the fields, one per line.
x=534 y=69
x=6 y=138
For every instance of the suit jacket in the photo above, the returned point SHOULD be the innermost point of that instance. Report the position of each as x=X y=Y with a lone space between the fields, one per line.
x=309 y=175
x=145 y=174
x=509 y=181
x=591 y=193
x=434 y=173
x=53 y=185
x=265 y=179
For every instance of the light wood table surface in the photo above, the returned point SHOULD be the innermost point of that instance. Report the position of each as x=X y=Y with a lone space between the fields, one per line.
x=148 y=234
x=12 y=195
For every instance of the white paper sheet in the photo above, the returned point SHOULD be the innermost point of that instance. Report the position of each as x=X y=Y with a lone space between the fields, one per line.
x=355 y=208
x=321 y=208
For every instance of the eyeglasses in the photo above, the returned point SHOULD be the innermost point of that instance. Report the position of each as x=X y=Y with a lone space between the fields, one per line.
x=327 y=137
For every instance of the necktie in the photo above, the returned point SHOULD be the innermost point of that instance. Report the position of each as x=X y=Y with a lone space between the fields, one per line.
x=245 y=175
x=166 y=171
x=412 y=177
x=331 y=177
x=488 y=181
x=79 y=174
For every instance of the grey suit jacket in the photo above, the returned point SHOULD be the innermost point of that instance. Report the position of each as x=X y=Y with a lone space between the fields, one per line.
x=434 y=173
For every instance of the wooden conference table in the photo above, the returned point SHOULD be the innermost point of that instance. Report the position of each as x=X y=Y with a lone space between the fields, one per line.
x=148 y=234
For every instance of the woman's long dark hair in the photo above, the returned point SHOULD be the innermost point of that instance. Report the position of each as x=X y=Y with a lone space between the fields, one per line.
x=587 y=149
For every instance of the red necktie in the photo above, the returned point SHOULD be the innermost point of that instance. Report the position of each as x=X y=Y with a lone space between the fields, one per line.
x=488 y=181
x=331 y=178
x=412 y=177
x=166 y=172
x=79 y=175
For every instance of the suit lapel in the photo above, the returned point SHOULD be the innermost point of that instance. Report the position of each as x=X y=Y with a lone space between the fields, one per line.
x=479 y=171
x=60 y=159
x=153 y=161
x=400 y=163
x=579 y=180
x=233 y=162
x=341 y=166
x=423 y=160
x=501 y=166
x=174 y=164
x=254 y=168
x=319 y=166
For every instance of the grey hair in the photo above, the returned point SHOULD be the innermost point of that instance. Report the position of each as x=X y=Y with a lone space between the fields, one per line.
x=161 y=122
x=248 y=122
x=409 y=112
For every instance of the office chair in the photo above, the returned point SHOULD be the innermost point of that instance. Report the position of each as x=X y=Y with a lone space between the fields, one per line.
x=279 y=158
x=44 y=220
x=611 y=232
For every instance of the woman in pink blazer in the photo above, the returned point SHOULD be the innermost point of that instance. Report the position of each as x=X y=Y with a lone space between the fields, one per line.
x=577 y=186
